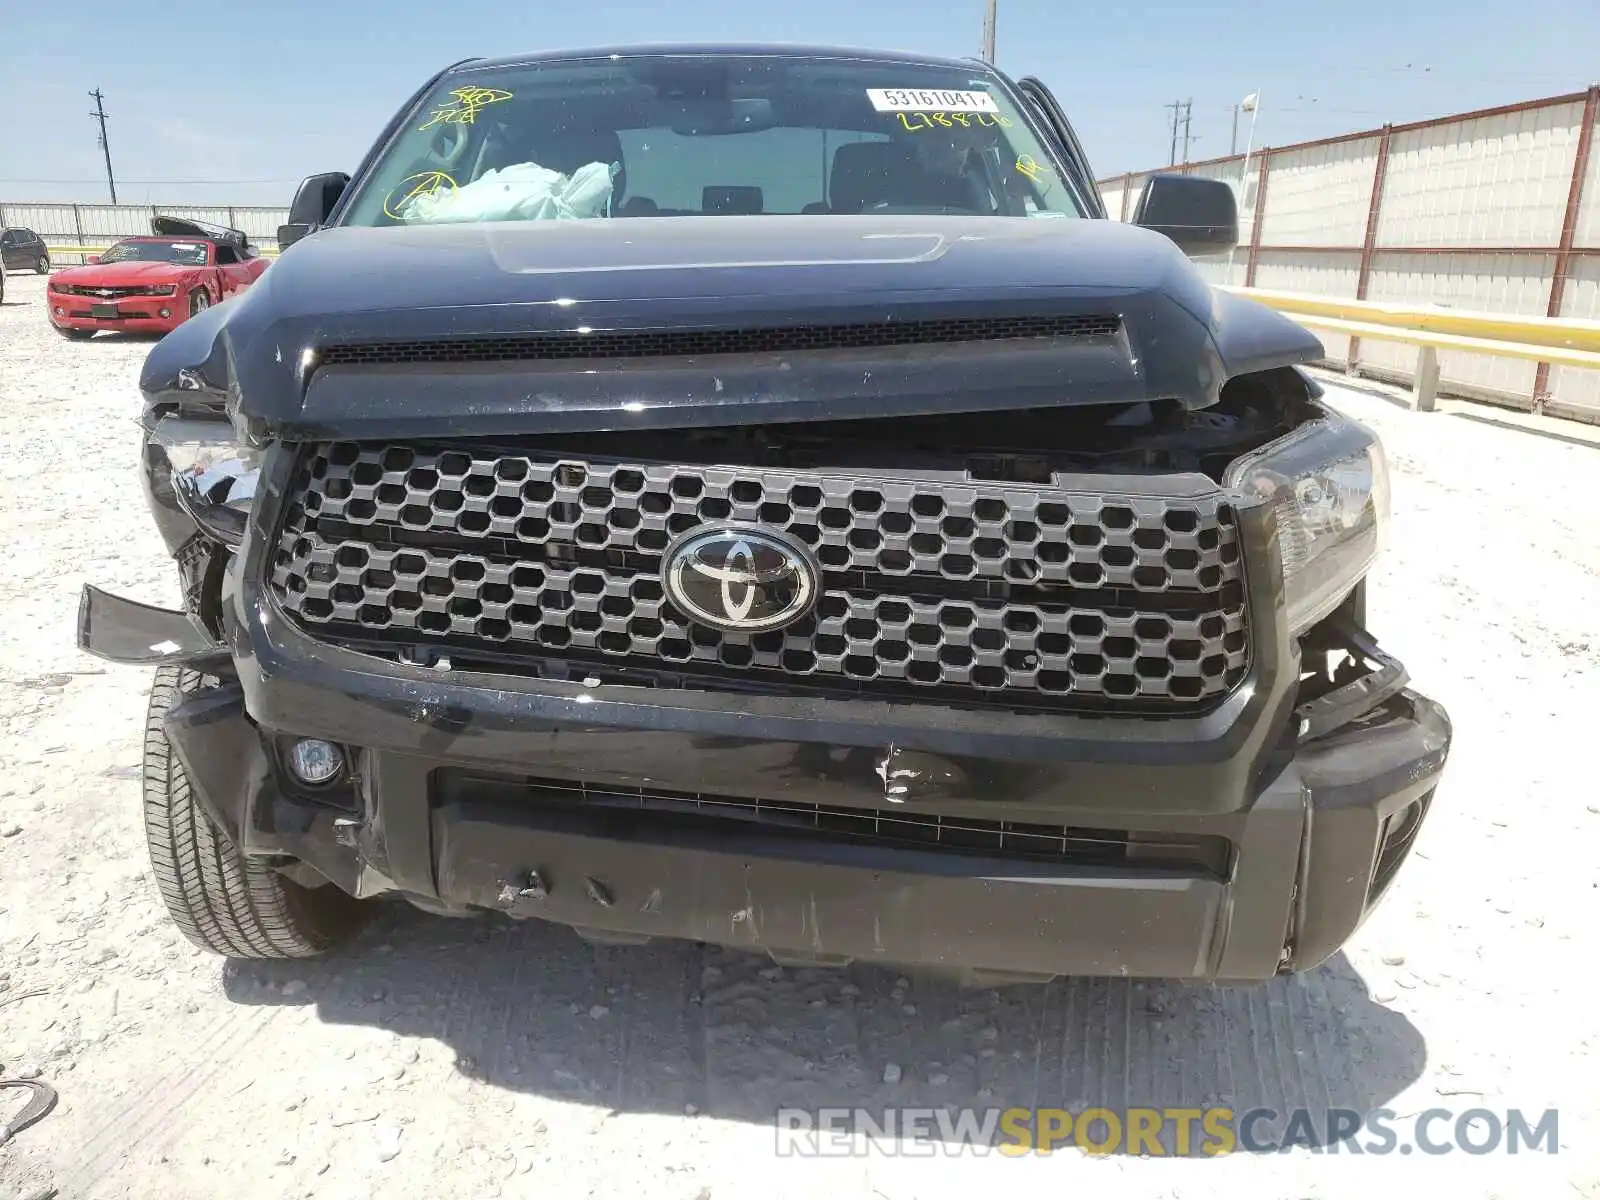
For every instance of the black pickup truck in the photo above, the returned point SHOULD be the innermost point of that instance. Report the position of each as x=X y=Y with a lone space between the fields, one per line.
x=756 y=495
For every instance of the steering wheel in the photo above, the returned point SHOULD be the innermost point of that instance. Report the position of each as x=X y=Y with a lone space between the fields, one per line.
x=447 y=145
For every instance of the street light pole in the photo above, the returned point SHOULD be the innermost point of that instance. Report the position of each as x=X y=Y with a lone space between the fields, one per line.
x=1252 y=105
x=988 y=33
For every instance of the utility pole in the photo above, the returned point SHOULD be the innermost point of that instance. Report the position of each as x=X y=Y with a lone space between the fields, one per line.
x=1233 y=138
x=99 y=114
x=1175 y=106
x=988 y=33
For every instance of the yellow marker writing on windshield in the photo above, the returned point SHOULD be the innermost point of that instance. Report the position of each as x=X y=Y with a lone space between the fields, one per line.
x=423 y=183
x=464 y=108
x=1030 y=166
x=912 y=122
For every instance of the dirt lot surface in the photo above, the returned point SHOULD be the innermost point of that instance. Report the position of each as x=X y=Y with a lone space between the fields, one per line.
x=446 y=1059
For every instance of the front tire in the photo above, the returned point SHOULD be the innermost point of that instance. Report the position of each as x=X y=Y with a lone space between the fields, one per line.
x=41 y=265
x=222 y=901
x=199 y=301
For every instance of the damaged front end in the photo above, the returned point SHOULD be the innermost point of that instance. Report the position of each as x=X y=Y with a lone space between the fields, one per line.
x=819 y=823
x=201 y=484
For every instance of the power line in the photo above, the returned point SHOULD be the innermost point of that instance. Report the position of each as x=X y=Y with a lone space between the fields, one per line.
x=99 y=114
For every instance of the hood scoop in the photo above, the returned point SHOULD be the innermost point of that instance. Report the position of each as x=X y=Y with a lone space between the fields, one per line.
x=671 y=343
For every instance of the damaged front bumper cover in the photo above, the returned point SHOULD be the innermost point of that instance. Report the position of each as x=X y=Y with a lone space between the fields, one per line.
x=593 y=809
x=125 y=631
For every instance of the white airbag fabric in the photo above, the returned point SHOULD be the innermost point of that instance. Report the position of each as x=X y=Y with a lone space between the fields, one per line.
x=520 y=192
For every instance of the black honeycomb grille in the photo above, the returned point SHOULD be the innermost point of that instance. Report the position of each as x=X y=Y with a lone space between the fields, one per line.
x=1024 y=597
x=682 y=342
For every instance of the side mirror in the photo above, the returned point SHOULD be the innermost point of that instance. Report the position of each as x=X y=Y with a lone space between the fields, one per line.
x=1200 y=215
x=313 y=204
x=91 y=260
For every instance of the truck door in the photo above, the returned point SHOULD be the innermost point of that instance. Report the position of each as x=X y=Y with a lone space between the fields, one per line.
x=1050 y=114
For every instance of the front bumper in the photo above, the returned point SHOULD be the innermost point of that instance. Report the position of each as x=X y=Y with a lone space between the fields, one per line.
x=1229 y=847
x=137 y=314
x=1310 y=858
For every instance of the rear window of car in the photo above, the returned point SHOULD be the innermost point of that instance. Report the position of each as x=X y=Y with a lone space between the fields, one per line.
x=712 y=135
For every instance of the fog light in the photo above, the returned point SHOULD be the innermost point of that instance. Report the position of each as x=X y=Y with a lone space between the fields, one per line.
x=165 y=313
x=315 y=761
x=60 y=312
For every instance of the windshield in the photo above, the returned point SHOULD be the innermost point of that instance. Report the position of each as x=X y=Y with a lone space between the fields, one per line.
x=712 y=135
x=189 y=254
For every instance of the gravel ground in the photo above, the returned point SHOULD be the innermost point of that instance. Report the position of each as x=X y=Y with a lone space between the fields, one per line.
x=463 y=1059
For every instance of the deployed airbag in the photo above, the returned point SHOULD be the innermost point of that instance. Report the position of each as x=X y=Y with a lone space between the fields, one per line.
x=520 y=192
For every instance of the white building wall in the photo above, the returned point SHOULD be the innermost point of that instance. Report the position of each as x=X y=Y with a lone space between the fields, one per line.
x=1581 y=298
x=1493 y=181
x=1320 y=196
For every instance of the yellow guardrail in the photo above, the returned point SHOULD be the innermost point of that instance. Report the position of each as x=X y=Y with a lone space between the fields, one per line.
x=1565 y=341
x=1462 y=325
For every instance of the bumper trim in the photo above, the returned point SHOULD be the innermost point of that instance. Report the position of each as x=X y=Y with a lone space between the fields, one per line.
x=1356 y=779
x=904 y=908
x=125 y=631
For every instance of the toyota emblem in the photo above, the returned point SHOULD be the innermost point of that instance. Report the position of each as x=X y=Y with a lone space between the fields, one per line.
x=740 y=578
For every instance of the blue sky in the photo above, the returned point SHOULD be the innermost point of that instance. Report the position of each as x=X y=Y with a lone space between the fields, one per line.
x=251 y=100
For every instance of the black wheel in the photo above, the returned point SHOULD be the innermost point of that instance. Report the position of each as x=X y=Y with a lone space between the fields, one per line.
x=199 y=301
x=221 y=900
x=76 y=335
x=41 y=265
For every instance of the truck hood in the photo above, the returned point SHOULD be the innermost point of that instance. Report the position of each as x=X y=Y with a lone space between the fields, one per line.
x=445 y=330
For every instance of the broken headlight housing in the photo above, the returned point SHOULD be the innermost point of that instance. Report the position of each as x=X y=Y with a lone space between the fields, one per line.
x=1328 y=483
x=213 y=477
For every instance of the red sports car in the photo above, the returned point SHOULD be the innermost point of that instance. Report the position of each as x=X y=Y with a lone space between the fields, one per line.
x=153 y=284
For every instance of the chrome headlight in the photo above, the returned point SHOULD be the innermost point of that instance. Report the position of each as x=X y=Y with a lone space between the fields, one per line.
x=213 y=477
x=1328 y=482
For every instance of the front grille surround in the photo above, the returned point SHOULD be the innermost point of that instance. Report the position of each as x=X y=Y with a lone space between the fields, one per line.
x=1037 y=598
